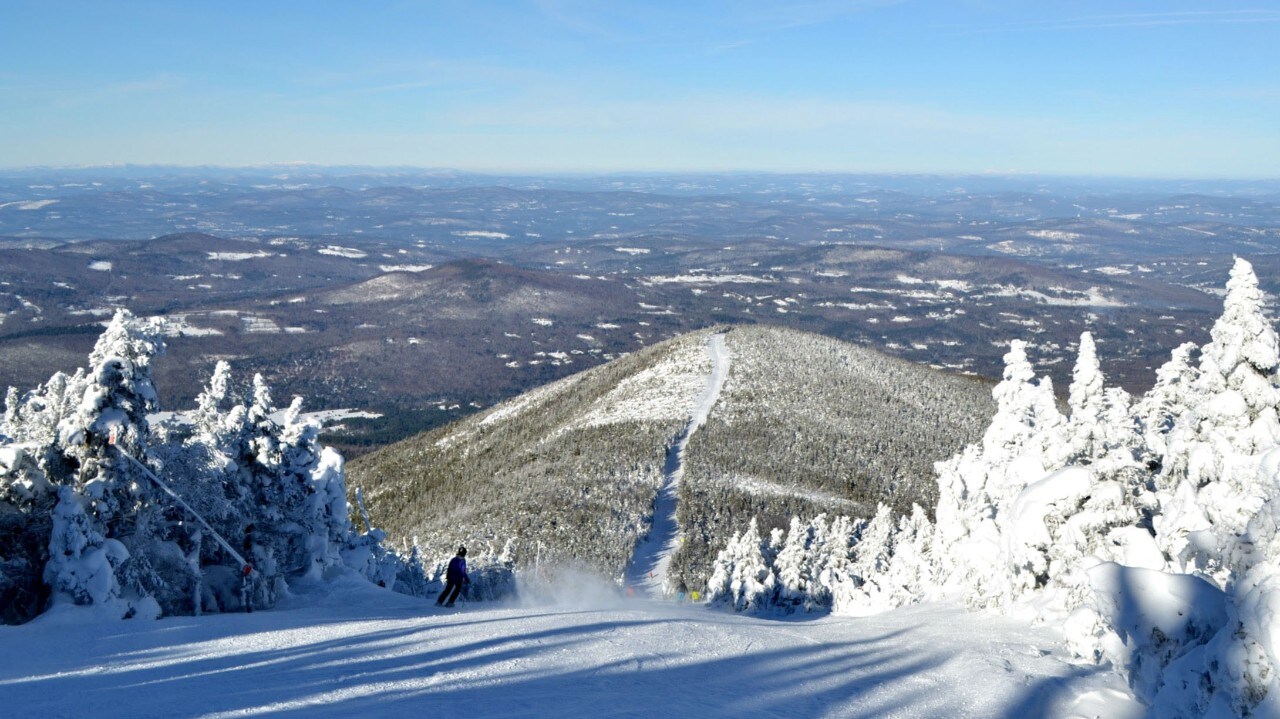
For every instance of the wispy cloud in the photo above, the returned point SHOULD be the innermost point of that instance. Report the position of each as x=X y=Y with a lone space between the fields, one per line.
x=1140 y=20
x=73 y=97
x=786 y=15
x=711 y=115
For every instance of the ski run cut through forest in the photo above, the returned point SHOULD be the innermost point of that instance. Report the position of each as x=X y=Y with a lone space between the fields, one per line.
x=1118 y=559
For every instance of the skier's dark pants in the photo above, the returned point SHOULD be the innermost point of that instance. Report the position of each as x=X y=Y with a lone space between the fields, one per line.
x=446 y=597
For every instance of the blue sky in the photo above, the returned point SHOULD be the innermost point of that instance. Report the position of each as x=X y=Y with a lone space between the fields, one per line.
x=1160 y=89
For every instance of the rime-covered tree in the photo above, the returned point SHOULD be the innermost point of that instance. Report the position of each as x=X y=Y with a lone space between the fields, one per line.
x=978 y=486
x=1085 y=428
x=11 y=404
x=210 y=417
x=107 y=436
x=794 y=563
x=1214 y=449
x=874 y=547
x=107 y=512
x=1163 y=406
x=742 y=576
x=82 y=563
x=911 y=564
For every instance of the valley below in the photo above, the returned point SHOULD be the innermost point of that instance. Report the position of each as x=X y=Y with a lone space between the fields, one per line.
x=423 y=298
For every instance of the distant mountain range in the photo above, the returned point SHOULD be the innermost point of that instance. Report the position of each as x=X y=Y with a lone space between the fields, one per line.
x=425 y=296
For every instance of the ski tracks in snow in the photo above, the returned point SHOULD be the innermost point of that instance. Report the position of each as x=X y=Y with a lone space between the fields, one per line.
x=349 y=649
x=648 y=570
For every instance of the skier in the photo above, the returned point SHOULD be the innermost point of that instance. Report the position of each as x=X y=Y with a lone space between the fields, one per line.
x=455 y=577
x=246 y=574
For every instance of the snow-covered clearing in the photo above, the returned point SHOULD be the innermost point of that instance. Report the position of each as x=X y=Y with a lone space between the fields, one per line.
x=28 y=204
x=350 y=649
x=405 y=268
x=1054 y=235
x=350 y=253
x=701 y=279
x=649 y=564
x=1203 y=232
x=239 y=256
x=178 y=326
x=481 y=235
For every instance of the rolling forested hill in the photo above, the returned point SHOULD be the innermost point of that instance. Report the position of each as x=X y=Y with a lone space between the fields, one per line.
x=807 y=424
x=569 y=471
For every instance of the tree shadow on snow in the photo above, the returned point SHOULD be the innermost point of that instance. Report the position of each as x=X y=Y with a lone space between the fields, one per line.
x=408 y=671
x=517 y=676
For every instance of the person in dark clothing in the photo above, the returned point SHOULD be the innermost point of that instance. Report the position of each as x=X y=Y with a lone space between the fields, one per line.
x=246 y=572
x=454 y=578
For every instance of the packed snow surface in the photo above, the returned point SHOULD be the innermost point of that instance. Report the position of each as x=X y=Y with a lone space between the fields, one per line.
x=653 y=554
x=347 y=649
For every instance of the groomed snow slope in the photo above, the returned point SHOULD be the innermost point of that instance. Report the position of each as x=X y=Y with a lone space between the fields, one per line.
x=349 y=649
x=652 y=557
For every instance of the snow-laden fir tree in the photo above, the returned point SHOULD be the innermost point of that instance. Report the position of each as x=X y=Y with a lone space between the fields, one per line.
x=106 y=436
x=742 y=576
x=911 y=563
x=1163 y=406
x=11 y=405
x=977 y=487
x=831 y=561
x=135 y=515
x=794 y=563
x=1215 y=448
x=1084 y=432
x=82 y=563
x=874 y=547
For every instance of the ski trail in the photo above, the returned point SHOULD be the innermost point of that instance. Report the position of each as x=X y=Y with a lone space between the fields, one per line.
x=648 y=570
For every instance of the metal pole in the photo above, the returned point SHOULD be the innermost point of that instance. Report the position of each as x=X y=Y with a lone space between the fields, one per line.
x=159 y=482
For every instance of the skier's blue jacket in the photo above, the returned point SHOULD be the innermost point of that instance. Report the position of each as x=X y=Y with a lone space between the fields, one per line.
x=457 y=570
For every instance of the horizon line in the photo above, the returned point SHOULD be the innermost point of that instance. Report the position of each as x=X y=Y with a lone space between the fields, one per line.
x=597 y=172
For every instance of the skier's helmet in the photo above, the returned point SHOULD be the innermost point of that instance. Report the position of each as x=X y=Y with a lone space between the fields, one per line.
x=462 y=551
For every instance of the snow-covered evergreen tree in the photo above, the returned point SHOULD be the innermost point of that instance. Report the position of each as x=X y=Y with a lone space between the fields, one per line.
x=874 y=547
x=11 y=404
x=210 y=417
x=1162 y=408
x=794 y=563
x=1216 y=446
x=82 y=563
x=147 y=523
x=107 y=436
x=741 y=576
x=911 y=567
x=977 y=488
x=837 y=584
x=1085 y=428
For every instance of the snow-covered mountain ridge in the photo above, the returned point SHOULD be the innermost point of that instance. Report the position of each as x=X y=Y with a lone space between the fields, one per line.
x=804 y=424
